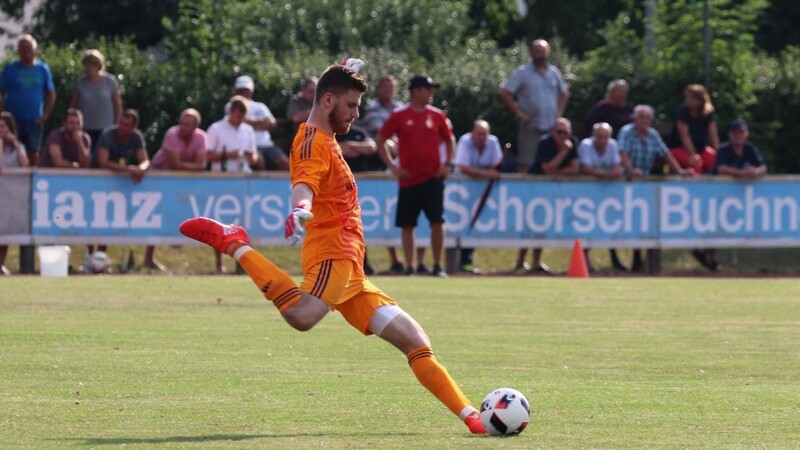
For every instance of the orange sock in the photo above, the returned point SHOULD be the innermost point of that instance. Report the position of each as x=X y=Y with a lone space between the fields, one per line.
x=276 y=284
x=435 y=378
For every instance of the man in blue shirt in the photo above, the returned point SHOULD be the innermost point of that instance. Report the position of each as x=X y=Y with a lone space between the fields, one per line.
x=28 y=92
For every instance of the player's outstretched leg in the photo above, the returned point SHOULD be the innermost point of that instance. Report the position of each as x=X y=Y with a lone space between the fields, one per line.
x=406 y=334
x=277 y=286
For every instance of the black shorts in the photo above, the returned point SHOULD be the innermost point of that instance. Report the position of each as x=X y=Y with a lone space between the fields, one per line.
x=427 y=196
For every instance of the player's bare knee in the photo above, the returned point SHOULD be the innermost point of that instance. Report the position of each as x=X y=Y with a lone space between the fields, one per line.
x=298 y=320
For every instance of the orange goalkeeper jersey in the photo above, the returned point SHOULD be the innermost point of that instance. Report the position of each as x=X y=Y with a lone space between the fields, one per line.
x=335 y=231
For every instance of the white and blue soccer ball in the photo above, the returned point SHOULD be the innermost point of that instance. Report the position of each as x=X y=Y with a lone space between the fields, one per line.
x=99 y=262
x=505 y=412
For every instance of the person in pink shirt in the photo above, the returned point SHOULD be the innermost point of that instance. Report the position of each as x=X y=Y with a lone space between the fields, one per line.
x=183 y=148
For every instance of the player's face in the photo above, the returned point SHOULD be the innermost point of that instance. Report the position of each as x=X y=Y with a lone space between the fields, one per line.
x=345 y=111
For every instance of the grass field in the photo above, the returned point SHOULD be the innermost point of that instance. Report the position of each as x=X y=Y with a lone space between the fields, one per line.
x=203 y=362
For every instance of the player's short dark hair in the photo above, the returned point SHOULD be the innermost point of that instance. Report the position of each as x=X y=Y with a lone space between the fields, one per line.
x=338 y=79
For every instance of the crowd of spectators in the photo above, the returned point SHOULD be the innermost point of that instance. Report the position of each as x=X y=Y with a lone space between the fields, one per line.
x=414 y=142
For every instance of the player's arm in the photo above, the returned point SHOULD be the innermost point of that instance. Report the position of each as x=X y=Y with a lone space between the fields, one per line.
x=294 y=228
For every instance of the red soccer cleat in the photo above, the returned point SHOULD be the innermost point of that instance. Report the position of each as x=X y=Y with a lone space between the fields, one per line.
x=474 y=423
x=213 y=233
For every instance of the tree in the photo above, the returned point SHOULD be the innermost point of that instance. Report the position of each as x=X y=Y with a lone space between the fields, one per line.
x=64 y=21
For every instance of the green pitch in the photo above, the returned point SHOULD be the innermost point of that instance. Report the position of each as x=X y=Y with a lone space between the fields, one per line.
x=204 y=362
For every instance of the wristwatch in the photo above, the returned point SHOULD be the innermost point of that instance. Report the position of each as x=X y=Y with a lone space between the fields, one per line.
x=450 y=164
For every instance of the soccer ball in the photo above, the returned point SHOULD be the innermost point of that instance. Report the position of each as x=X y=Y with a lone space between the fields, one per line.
x=99 y=262
x=505 y=412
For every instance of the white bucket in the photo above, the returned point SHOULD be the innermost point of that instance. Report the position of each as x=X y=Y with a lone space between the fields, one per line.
x=54 y=260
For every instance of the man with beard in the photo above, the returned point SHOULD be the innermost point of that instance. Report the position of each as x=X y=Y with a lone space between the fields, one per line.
x=325 y=199
x=541 y=96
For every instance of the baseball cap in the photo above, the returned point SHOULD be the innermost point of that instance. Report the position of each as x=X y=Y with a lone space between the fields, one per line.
x=244 y=82
x=422 y=81
x=738 y=123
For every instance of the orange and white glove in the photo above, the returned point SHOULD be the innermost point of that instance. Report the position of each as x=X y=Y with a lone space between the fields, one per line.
x=294 y=229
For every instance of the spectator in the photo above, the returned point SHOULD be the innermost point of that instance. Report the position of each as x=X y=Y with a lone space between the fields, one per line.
x=613 y=110
x=231 y=147
x=639 y=146
x=600 y=158
x=69 y=145
x=478 y=155
x=557 y=154
x=121 y=150
x=96 y=95
x=357 y=148
x=419 y=128
x=376 y=112
x=379 y=108
x=541 y=96
x=13 y=150
x=261 y=119
x=184 y=147
x=737 y=158
x=28 y=92
x=13 y=156
x=299 y=107
x=694 y=139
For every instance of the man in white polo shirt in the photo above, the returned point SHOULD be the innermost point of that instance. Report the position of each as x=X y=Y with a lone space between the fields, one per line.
x=263 y=121
x=231 y=141
x=231 y=146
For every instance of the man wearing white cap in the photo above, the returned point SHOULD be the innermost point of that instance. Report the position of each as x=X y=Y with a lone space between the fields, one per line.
x=261 y=119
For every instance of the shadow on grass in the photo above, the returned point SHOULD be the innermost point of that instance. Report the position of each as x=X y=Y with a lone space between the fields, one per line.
x=210 y=438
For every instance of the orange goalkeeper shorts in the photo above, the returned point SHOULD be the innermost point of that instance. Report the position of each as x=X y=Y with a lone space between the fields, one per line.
x=337 y=283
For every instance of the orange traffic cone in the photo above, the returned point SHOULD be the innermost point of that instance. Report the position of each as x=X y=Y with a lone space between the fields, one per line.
x=577 y=263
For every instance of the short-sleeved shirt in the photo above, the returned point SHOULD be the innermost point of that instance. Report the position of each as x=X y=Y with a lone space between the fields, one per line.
x=296 y=104
x=120 y=152
x=11 y=155
x=418 y=135
x=187 y=150
x=95 y=101
x=356 y=134
x=537 y=94
x=258 y=111
x=643 y=152
x=468 y=154
x=376 y=114
x=335 y=231
x=547 y=150
x=698 y=129
x=24 y=89
x=590 y=157
x=222 y=135
x=69 y=151
x=603 y=111
x=726 y=156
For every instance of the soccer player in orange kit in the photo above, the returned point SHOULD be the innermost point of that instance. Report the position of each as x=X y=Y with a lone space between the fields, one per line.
x=325 y=196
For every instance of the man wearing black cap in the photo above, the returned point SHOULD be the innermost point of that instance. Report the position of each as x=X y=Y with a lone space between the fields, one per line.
x=419 y=128
x=738 y=157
